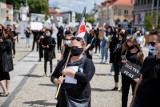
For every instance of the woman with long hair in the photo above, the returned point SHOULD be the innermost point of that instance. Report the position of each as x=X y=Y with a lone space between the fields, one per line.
x=121 y=38
x=131 y=52
x=5 y=49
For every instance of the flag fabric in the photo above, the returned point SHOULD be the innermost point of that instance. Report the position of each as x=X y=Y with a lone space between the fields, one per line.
x=82 y=26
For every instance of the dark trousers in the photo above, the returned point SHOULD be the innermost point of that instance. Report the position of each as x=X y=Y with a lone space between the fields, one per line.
x=97 y=46
x=116 y=72
x=45 y=66
x=59 y=43
x=126 y=82
x=17 y=39
x=14 y=45
x=40 y=51
x=35 y=42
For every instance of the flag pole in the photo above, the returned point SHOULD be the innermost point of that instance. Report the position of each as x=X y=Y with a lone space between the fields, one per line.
x=59 y=86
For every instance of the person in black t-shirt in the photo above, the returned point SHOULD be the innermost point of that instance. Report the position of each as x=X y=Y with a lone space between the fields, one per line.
x=132 y=52
x=147 y=91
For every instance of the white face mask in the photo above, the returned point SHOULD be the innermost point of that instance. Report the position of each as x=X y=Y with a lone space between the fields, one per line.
x=48 y=34
x=67 y=42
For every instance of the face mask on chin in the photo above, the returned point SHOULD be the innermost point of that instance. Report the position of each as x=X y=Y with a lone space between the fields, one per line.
x=67 y=42
x=47 y=34
x=75 y=51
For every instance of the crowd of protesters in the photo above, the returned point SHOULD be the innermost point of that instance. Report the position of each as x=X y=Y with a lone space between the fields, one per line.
x=116 y=47
x=123 y=47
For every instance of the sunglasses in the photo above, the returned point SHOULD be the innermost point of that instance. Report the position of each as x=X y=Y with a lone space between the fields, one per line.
x=76 y=38
x=68 y=39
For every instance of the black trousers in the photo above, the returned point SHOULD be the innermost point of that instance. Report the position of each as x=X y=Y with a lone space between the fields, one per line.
x=126 y=82
x=35 y=42
x=97 y=46
x=59 y=43
x=45 y=66
x=40 y=51
x=17 y=39
x=116 y=72
x=14 y=46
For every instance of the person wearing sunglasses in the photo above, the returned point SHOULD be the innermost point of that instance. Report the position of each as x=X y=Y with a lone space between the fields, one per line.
x=79 y=68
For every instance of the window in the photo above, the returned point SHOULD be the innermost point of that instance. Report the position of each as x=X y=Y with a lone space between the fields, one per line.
x=119 y=12
x=145 y=2
x=155 y=3
x=142 y=2
x=126 y=12
x=149 y=1
x=138 y=2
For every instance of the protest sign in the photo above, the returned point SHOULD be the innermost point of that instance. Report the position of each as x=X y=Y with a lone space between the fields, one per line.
x=36 y=25
x=131 y=70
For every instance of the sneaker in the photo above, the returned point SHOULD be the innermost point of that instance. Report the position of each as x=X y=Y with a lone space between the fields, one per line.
x=115 y=89
x=44 y=75
x=106 y=62
x=110 y=74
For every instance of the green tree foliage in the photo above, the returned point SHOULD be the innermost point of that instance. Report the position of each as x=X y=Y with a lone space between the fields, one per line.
x=148 y=22
x=16 y=3
x=90 y=20
x=158 y=26
x=38 y=6
x=78 y=17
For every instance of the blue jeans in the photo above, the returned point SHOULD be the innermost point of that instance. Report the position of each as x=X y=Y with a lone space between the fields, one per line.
x=104 y=53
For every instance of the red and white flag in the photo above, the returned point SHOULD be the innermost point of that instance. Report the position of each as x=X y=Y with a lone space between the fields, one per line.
x=82 y=25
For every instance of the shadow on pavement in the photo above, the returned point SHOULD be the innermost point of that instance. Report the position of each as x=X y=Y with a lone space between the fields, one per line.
x=100 y=89
x=40 y=103
x=101 y=74
x=50 y=85
x=32 y=75
x=104 y=74
x=29 y=61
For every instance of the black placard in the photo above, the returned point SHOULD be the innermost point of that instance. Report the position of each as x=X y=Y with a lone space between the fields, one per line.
x=131 y=70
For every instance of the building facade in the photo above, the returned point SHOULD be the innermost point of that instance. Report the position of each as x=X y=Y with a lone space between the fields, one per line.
x=144 y=7
x=3 y=11
x=117 y=11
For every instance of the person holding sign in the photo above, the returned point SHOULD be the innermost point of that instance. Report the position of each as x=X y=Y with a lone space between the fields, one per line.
x=131 y=52
x=147 y=90
x=75 y=77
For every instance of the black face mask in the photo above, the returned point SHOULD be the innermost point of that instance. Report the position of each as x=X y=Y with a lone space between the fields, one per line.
x=123 y=34
x=75 y=51
x=0 y=30
x=131 y=47
x=153 y=43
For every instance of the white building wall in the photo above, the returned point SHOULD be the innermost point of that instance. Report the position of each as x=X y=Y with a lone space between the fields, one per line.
x=3 y=12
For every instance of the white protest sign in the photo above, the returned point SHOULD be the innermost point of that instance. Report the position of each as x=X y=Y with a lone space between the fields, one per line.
x=36 y=25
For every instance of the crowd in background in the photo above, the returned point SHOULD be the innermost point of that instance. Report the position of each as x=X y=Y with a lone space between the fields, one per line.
x=115 y=46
